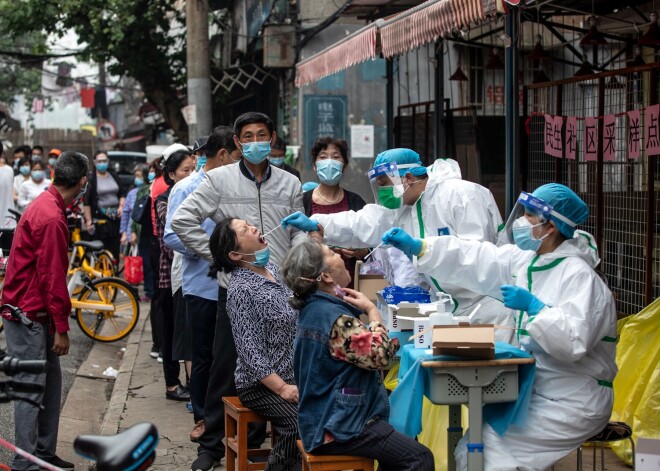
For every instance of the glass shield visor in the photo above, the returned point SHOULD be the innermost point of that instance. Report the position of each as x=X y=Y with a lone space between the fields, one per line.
x=529 y=204
x=386 y=183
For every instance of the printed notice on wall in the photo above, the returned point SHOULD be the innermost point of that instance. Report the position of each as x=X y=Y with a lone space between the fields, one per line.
x=362 y=141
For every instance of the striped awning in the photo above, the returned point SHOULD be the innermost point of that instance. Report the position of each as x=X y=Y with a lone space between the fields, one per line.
x=432 y=19
x=353 y=49
x=408 y=30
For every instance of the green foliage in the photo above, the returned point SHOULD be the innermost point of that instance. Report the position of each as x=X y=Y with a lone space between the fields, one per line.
x=20 y=73
x=143 y=39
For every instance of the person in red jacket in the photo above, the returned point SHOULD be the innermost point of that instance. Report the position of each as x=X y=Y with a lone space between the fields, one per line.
x=36 y=282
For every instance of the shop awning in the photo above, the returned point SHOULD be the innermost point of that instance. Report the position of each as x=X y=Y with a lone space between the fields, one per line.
x=430 y=20
x=353 y=49
x=408 y=30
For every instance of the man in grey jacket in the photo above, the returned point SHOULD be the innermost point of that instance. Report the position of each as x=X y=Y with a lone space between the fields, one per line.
x=262 y=195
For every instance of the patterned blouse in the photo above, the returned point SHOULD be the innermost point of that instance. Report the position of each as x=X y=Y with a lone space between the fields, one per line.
x=263 y=324
x=364 y=346
x=166 y=254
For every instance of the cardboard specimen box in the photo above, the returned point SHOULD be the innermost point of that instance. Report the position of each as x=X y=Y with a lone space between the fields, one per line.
x=465 y=340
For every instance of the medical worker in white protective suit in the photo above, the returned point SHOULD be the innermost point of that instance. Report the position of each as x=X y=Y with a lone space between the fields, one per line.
x=424 y=205
x=564 y=312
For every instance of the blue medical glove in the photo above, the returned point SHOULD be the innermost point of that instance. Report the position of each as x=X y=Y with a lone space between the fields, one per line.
x=300 y=221
x=520 y=299
x=403 y=241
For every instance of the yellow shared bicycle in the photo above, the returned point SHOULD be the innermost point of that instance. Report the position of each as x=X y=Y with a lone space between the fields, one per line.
x=106 y=308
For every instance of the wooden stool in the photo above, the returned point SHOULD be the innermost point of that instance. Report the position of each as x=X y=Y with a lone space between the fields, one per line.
x=237 y=418
x=333 y=462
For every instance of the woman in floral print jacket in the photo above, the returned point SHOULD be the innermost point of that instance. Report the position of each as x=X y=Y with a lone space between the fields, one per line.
x=342 y=405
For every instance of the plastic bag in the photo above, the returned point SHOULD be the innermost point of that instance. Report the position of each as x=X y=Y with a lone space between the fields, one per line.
x=411 y=294
x=636 y=386
x=133 y=271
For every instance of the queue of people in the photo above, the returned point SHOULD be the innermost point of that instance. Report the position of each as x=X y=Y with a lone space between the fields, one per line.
x=32 y=175
x=250 y=282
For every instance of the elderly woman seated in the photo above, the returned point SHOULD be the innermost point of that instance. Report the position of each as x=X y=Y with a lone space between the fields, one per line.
x=343 y=407
x=263 y=325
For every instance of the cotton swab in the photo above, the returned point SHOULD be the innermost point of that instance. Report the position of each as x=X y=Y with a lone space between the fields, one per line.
x=374 y=249
x=272 y=230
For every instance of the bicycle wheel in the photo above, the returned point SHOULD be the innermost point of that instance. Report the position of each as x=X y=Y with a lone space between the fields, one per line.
x=105 y=263
x=107 y=310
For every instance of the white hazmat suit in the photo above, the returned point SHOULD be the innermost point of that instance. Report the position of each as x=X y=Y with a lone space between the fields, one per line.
x=447 y=206
x=573 y=339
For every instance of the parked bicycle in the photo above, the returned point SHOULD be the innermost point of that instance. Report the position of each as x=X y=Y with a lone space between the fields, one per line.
x=105 y=307
x=97 y=263
x=131 y=450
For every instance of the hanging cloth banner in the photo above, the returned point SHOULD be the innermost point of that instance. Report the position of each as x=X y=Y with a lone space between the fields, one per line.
x=87 y=97
x=634 y=133
x=571 y=138
x=609 y=137
x=553 y=140
x=590 y=139
x=652 y=129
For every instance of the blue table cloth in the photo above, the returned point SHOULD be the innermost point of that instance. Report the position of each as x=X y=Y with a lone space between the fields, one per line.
x=414 y=382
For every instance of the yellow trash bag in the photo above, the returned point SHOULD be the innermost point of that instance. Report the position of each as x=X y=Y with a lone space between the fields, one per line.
x=435 y=420
x=636 y=386
x=392 y=378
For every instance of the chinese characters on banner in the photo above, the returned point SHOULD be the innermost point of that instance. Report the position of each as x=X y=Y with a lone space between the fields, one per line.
x=571 y=137
x=652 y=130
x=561 y=140
x=609 y=137
x=553 y=140
x=634 y=133
x=590 y=139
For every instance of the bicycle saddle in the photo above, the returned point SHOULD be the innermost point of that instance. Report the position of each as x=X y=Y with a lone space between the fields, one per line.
x=127 y=450
x=93 y=245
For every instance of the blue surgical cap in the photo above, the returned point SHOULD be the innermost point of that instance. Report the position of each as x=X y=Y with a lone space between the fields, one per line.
x=564 y=201
x=309 y=186
x=400 y=157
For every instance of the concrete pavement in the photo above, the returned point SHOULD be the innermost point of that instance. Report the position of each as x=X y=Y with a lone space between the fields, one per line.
x=138 y=394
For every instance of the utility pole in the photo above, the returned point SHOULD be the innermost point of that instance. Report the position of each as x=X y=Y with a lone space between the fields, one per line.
x=199 y=82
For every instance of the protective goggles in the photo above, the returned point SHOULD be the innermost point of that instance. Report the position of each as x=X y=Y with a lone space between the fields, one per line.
x=386 y=183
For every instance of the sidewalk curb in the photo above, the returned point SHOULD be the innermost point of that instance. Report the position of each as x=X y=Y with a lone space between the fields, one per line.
x=110 y=425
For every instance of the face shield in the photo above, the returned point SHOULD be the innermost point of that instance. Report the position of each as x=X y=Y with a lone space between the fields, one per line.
x=529 y=204
x=387 y=185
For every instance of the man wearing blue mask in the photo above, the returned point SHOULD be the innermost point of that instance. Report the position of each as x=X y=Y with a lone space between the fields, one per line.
x=262 y=195
x=276 y=157
x=564 y=313
x=425 y=204
x=199 y=151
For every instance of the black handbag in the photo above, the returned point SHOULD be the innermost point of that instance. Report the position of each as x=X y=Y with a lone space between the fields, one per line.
x=141 y=212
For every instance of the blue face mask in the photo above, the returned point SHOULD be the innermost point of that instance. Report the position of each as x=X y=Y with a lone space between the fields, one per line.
x=35 y=158
x=329 y=171
x=25 y=170
x=201 y=161
x=51 y=161
x=256 y=152
x=523 y=237
x=37 y=175
x=277 y=161
x=151 y=176
x=102 y=167
x=138 y=181
x=261 y=257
